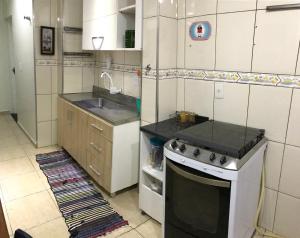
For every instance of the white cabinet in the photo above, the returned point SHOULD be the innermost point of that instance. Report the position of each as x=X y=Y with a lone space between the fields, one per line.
x=108 y=21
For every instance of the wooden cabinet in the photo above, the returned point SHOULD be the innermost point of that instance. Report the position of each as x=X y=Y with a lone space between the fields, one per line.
x=99 y=147
x=107 y=21
x=3 y=227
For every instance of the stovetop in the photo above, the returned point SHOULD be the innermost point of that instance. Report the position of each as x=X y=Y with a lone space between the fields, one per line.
x=223 y=138
x=217 y=143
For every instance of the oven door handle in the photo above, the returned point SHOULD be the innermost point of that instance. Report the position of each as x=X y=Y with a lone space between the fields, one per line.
x=198 y=179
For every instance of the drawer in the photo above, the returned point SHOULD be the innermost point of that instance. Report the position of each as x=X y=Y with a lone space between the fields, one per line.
x=99 y=127
x=95 y=166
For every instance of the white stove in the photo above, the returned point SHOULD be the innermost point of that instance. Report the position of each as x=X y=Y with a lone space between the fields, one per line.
x=212 y=181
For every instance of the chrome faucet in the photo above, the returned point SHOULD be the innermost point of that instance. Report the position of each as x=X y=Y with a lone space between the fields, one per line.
x=112 y=88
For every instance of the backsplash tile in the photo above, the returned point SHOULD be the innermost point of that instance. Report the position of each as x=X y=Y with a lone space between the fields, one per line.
x=200 y=7
x=293 y=133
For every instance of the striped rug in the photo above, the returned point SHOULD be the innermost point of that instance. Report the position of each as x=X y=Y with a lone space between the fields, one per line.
x=86 y=212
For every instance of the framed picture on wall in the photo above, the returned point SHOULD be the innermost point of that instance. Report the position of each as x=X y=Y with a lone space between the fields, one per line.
x=47 y=40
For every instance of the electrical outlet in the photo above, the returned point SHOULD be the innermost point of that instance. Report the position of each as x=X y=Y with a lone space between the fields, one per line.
x=219 y=91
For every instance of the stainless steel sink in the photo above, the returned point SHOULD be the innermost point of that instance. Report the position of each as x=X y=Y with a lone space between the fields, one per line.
x=109 y=110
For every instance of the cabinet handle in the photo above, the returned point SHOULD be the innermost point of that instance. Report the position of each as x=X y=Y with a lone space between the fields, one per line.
x=96 y=127
x=95 y=147
x=94 y=170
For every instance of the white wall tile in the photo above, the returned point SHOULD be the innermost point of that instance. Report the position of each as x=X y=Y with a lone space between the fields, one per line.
x=54 y=76
x=180 y=94
x=273 y=164
x=118 y=79
x=293 y=134
x=131 y=84
x=180 y=43
x=73 y=13
x=235 y=41
x=269 y=109
x=268 y=209
x=167 y=43
x=44 y=134
x=118 y=57
x=148 y=100
x=53 y=16
x=144 y=123
x=54 y=132
x=133 y=58
x=236 y=5
x=200 y=7
x=72 y=79
x=54 y=106
x=273 y=52
x=43 y=80
x=150 y=8
x=290 y=177
x=298 y=67
x=233 y=107
x=72 y=42
x=44 y=108
x=88 y=79
x=149 y=44
x=167 y=98
x=42 y=12
x=199 y=97
x=168 y=8
x=287 y=216
x=181 y=9
x=261 y=4
x=200 y=54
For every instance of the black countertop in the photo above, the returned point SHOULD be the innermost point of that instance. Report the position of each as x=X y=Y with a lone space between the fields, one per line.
x=167 y=129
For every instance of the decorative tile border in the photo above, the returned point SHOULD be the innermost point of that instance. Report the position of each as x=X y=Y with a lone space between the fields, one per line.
x=48 y=62
x=225 y=76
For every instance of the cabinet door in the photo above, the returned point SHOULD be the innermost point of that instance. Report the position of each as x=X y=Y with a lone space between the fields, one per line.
x=104 y=27
x=60 y=111
x=70 y=129
x=82 y=130
x=93 y=9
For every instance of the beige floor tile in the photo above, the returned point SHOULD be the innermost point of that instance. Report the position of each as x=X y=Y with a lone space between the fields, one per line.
x=118 y=232
x=34 y=163
x=15 y=166
x=150 y=229
x=131 y=234
x=8 y=142
x=11 y=152
x=52 y=197
x=31 y=211
x=30 y=149
x=126 y=204
x=21 y=185
x=44 y=179
x=53 y=229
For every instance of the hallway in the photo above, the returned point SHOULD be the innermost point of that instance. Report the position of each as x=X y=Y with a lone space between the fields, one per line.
x=27 y=199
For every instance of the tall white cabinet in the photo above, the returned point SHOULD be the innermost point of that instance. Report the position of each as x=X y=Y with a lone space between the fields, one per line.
x=106 y=22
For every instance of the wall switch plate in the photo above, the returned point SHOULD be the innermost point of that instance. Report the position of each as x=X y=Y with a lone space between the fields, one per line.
x=219 y=91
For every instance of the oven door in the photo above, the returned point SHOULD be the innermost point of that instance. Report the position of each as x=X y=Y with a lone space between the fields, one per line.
x=196 y=204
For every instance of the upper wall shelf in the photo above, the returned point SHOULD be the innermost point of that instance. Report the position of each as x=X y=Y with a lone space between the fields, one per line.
x=68 y=29
x=128 y=10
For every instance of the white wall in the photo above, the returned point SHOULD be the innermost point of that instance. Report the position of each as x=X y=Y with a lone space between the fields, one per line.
x=4 y=62
x=24 y=60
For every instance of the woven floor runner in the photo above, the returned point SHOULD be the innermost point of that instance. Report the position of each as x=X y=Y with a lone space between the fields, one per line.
x=86 y=212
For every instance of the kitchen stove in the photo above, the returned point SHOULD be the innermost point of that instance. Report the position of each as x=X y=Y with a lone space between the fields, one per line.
x=212 y=181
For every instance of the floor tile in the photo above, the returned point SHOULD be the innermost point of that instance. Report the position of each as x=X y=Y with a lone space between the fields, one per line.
x=31 y=150
x=150 y=229
x=131 y=234
x=6 y=219
x=31 y=211
x=15 y=166
x=126 y=204
x=53 y=229
x=21 y=185
x=11 y=152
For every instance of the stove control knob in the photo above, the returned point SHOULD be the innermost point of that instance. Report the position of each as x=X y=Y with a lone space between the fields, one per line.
x=196 y=152
x=182 y=148
x=174 y=144
x=212 y=157
x=223 y=160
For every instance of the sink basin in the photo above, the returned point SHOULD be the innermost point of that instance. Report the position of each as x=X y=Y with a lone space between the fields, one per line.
x=109 y=110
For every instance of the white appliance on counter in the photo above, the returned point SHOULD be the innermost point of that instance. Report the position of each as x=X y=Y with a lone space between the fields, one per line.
x=212 y=181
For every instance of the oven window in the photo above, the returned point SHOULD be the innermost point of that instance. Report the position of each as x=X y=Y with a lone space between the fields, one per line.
x=197 y=204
